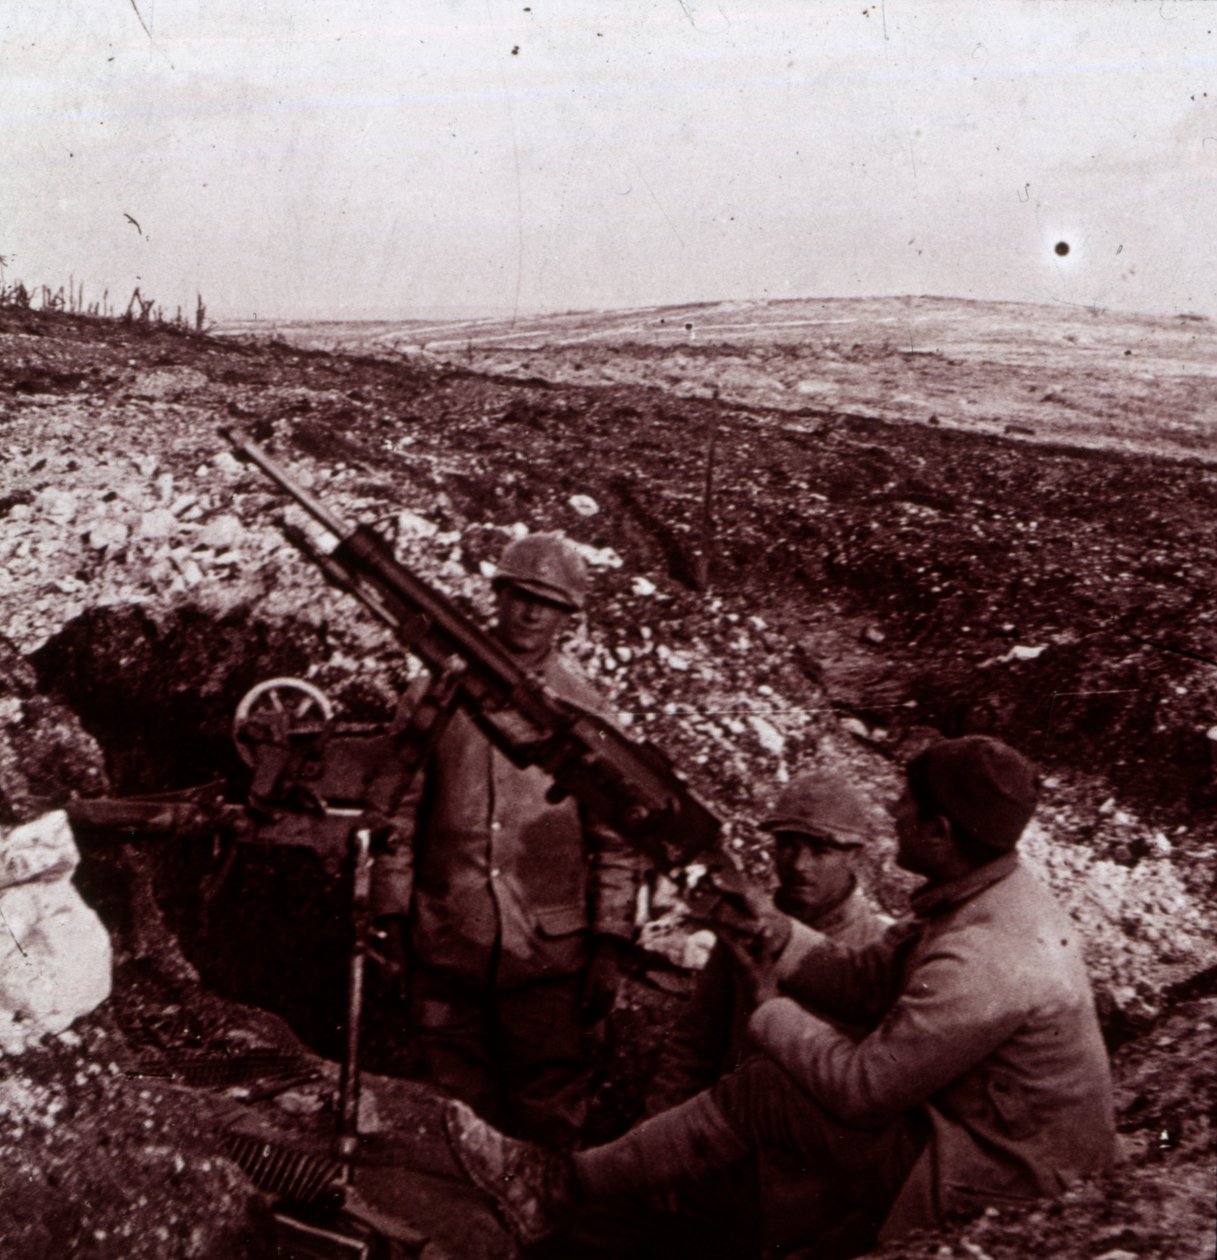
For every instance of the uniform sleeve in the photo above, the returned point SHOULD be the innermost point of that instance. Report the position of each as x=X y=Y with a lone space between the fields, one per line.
x=393 y=880
x=694 y=1052
x=853 y=984
x=617 y=866
x=616 y=870
x=951 y=1014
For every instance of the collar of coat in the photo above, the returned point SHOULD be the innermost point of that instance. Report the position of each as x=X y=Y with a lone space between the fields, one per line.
x=939 y=898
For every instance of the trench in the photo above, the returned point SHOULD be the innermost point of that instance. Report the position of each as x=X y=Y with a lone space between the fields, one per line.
x=266 y=926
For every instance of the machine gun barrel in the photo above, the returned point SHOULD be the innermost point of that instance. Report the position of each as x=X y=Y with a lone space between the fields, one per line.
x=630 y=785
x=147 y=817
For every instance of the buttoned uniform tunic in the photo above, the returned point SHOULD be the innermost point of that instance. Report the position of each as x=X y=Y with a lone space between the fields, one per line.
x=508 y=887
x=982 y=1018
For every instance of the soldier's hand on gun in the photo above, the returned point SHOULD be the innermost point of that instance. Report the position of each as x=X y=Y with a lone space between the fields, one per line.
x=743 y=917
x=736 y=909
x=756 y=966
x=755 y=932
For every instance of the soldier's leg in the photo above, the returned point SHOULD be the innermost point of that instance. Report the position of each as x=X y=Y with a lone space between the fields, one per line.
x=769 y=1111
x=452 y=1023
x=545 y=1060
x=755 y=1108
x=604 y=1211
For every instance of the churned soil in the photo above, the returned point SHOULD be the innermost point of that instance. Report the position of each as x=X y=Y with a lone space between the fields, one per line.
x=819 y=532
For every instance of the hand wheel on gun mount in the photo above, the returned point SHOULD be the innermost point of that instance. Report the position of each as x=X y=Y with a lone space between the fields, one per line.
x=281 y=711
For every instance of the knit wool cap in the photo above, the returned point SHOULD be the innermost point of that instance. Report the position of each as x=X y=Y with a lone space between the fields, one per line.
x=817 y=803
x=984 y=786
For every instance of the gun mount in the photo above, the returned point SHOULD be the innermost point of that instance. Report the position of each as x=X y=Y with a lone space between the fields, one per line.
x=630 y=785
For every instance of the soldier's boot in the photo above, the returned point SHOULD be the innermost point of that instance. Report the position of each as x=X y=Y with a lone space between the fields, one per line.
x=532 y=1188
x=535 y=1189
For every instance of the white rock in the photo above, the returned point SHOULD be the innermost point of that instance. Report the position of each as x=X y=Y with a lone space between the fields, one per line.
x=227 y=462
x=584 y=504
x=158 y=523
x=108 y=532
x=55 y=954
x=855 y=727
x=58 y=505
x=644 y=586
x=599 y=557
x=771 y=739
x=222 y=533
x=411 y=525
x=1021 y=652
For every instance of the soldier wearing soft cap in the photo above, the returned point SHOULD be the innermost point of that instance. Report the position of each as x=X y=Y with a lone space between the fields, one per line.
x=980 y=1079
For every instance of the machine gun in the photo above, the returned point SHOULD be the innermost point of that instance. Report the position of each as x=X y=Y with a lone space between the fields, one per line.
x=630 y=785
x=314 y=787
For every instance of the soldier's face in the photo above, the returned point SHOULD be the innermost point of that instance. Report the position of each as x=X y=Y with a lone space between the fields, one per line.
x=527 y=625
x=812 y=873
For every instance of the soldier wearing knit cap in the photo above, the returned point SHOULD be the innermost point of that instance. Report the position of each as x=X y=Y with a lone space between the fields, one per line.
x=981 y=1078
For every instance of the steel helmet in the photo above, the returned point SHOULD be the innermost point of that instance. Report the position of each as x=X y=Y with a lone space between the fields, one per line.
x=818 y=803
x=547 y=565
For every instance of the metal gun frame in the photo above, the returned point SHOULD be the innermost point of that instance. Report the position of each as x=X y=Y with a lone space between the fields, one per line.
x=630 y=785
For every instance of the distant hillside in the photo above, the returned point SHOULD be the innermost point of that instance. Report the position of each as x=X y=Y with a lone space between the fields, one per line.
x=1047 y=373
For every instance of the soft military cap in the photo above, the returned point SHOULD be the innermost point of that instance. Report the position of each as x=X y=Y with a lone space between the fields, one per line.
x=985 y=786
x=818 y=803
x=547 y=565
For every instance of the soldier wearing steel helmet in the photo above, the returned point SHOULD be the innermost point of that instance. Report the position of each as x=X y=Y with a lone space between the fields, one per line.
x=517 y=907
x=819 y=824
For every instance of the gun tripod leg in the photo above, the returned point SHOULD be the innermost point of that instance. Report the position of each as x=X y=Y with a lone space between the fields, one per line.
x=347 y=1141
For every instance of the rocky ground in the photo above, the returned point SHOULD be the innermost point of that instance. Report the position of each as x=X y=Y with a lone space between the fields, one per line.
x=817 y=533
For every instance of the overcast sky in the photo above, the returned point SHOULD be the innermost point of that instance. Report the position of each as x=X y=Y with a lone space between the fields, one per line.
x=398 y=157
